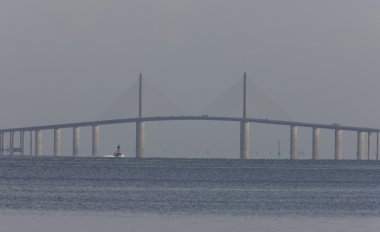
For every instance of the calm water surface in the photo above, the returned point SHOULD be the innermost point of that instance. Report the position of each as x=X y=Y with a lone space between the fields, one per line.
x=191 y=187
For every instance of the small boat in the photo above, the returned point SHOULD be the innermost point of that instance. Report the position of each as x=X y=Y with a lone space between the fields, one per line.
x=118 y=152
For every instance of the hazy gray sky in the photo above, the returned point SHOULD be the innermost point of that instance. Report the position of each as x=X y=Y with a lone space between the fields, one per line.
x=67 y=60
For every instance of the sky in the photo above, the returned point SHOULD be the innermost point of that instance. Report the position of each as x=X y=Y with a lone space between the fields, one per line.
x=65 y=61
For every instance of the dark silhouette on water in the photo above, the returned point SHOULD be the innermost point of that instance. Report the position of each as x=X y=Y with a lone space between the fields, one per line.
x=118 y=152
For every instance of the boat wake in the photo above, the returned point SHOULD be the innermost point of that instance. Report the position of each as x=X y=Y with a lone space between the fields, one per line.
x=113 y=156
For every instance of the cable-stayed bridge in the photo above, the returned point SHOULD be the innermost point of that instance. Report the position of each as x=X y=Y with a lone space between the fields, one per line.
x=243 y=121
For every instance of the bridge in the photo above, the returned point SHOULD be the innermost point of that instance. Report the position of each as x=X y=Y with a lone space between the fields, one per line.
x=243 y=121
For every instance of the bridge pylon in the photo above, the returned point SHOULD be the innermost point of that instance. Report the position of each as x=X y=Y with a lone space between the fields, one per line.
x=244 y=125
x=140 y=127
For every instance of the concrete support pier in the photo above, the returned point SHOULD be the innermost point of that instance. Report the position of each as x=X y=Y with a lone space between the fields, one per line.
x=338 y=144
x=76 y=131
x=377 y=145
x=22 y=142
x=11 y=142
x=57 y=142
x=316 y=143
x=95 y=140
x=244 y=140
x=31 y=142
x=369 y=146
x=360 y=146
x=293 y=142
x=38 y=142
x=140 y=139
x=1 y=143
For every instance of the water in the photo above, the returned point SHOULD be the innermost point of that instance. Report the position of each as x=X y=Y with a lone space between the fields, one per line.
x=188 y=194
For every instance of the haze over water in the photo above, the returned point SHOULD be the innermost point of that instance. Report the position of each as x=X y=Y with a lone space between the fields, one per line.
x=94 y=194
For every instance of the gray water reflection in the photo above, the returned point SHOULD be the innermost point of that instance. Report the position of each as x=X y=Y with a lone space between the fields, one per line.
x=191 y=186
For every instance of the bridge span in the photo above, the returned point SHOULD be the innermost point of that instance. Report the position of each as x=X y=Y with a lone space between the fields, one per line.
x=193 y=118
x=293 y=125
x=244 y=122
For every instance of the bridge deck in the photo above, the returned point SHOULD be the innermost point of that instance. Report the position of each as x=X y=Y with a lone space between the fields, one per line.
x=195 y=118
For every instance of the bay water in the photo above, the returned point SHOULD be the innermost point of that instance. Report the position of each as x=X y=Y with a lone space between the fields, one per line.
x=125 y=194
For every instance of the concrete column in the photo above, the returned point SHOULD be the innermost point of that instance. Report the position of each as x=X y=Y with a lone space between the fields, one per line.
x=22 y=143
x=57 y=141
x=244 y=140
x=293 y=142
x=338 y=144
x=95 y=140
x=76 y=141
x=369 y=146
x=316 y=143
x=1 y=143
x=140 y=139
x=377 y=145
x=31 y=142
x=11 y=142
x=38 y=142
x=360 y=146
x=140 y=95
